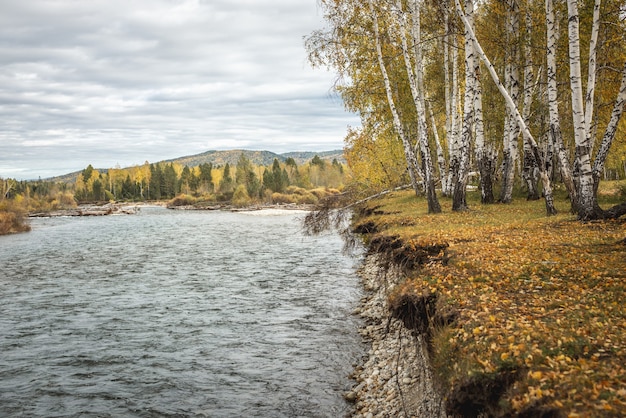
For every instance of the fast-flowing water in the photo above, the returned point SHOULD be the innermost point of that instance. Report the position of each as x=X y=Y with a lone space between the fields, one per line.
x=176 y=313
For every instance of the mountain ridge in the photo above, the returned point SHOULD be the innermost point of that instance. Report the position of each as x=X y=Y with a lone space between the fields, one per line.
x=221 y=157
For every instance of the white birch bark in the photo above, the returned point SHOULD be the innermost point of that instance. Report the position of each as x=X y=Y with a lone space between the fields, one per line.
x=431 y=191
x=445 y=183
x=586 y=194
x=512 y=83
x=552 y=30
x=454 y=140
x=550 y=209
x=591 y=76
x=459 y=202
x=414 y=74
x=484 y=155
x=409 y=154
x=530 y=169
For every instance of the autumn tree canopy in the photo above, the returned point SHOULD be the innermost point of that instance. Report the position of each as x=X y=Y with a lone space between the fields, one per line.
x=525 y=93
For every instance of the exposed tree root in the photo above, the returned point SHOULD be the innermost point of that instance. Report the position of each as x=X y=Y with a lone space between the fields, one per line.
x=480 y=395
x=615 y=212
x=420 y=313
x=395 y=250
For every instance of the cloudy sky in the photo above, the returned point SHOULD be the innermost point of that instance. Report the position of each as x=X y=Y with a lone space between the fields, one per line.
x=119 y=82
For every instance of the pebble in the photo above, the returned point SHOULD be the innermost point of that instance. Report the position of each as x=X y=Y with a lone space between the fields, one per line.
x=376 y=393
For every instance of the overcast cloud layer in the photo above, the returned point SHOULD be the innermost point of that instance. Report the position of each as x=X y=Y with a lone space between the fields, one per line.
x=108 y=82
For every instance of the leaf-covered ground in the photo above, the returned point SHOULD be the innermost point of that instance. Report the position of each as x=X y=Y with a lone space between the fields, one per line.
x=542 y=295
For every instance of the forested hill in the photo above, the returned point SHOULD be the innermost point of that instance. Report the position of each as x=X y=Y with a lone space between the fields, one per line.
x=265 y=158
x=220 y=158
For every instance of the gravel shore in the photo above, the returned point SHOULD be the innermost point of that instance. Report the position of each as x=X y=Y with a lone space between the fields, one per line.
x=395 y=379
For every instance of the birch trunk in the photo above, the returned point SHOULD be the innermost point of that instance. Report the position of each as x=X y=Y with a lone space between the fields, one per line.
x=555 y=124
x=445 y=183
x=547 y=187
x=454 y=140
x=591 y=76
x=586 y=196
x=530 y=169
x=414 y=76
x=430 y=189
x=409 y=154
x=482 y=153
x=459 y=202
x=512 y=82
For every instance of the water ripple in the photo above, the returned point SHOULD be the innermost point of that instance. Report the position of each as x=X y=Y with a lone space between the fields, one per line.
x=175 y=314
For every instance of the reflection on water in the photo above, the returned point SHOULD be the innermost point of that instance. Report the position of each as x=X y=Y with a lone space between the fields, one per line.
x=170 y=313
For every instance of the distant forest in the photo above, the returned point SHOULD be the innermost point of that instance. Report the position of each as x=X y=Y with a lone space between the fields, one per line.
x=241 y=183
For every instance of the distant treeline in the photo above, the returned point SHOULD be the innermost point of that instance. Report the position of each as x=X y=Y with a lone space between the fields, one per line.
x=245 y=182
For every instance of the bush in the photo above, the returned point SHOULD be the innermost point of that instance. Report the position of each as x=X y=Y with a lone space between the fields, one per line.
x=182 y=200
x=224 y=197
x=62 y=201
x=322 y=192
x=300 y=197
x=12 y=218
x=295 y=190
x=307 y=199
x=283 y=198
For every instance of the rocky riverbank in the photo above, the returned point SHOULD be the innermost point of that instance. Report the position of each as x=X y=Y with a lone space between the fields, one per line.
x=248 y=208
x=395 y=379
x=90 y=210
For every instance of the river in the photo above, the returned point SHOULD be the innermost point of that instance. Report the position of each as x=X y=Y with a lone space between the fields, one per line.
x=176 y=313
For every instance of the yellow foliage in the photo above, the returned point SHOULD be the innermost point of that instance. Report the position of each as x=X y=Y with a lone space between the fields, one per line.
x=12 y=218
x=375 y=163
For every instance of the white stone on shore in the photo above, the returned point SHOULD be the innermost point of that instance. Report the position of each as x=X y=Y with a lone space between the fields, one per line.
x=393 y=359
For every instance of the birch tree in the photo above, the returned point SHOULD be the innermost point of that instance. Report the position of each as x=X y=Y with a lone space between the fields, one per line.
x=460 y=186
x=588 y=175
x=587 y=206
x=445 y=184
x=483 y=152
x=547 y=187
x=530 y=169
x=397 y=123
x=512 y=128
x=415 y=77
x=556 y=136
x=591 y=73
x=453 y=119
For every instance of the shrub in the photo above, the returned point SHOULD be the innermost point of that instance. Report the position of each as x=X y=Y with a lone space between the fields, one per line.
x=307 y=199
x=295 y=190
x=182 y=200
x=11 y=219
x=66 y=200
x=283 y=198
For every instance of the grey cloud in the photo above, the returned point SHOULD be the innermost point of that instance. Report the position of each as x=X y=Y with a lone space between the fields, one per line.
x=106 y=82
